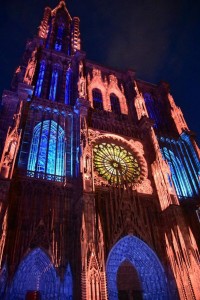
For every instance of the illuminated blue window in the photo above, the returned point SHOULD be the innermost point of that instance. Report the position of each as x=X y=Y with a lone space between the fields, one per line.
x=152 y=110
x=68 y=86
x=180 y=177
x=97 y=99
x=40 y=79
x=54 y=83
x=115 y=106
x=47 y=152
x=58 y=43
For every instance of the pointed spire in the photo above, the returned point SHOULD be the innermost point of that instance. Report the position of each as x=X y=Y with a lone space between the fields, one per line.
x=62 y=4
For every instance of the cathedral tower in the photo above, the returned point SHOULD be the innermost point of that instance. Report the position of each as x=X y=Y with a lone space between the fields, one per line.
x=99 y=179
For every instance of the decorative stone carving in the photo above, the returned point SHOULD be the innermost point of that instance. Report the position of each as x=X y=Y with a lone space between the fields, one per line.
x=81 y=82
x=11 y=147
x=30 y=70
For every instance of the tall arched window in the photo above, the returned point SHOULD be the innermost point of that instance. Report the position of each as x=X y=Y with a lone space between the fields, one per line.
x=47 y=153
x=54 y=83
x=179 y=175
x=68 y=86
x=152 y=109
x=58 y=43
x=115 y=105
x=97 y=99
x=40 y=79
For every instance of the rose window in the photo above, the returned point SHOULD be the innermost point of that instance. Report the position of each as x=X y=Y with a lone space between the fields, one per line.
x=116 y=164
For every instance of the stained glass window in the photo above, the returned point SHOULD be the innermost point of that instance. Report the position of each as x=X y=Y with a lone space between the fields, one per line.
x=47 y=149
x=115 y=106
x=40 y=79
x=97 y=99
x=116 y=164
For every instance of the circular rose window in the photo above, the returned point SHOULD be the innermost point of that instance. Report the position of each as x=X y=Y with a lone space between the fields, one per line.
x=116 y=164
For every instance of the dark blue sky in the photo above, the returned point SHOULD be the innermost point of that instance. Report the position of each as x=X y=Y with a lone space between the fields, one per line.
x=159 y=39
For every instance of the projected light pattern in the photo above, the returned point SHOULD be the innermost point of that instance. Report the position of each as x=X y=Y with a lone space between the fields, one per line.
x=58 y=44
x=68 y=86
x=40 y=79
x=144 y=260
x=184 y=165
x=37 y=273
x=47 y=149
x=115 y=164
x=53 y=88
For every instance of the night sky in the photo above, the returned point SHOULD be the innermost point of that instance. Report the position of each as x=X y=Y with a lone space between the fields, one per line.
x=159 y=39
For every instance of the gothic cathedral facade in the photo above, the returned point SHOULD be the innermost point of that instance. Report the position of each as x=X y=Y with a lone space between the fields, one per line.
x=99 y=179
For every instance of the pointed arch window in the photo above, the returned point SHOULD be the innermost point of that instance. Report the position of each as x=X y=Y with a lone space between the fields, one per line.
x=68 y=86
x=54 y=83
x=152 y=109
x=59 y=38
x=47 y=152
x=40 y=79
x=115 y=105
x=97 y=99
x=179 y=175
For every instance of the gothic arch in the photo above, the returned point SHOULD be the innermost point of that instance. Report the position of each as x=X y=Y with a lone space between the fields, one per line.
x=35 y=273
x=113 y=88
x=145 y=261
x=97 y=83
x=47 y=149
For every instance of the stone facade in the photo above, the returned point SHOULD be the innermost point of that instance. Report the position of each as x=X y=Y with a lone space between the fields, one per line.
x=99 y=179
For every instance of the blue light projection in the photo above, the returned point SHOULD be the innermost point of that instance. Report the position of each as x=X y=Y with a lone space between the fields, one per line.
x=3 y=280
x=58 y=43
x=38 y=88
x=37 y=273
x=144 y=260
x=115 y=105
x=68 y=284
x=184 y=165
x=54 y=82
x=151 y=108
x=97 y=99
x=47 y=152
x=68 y=86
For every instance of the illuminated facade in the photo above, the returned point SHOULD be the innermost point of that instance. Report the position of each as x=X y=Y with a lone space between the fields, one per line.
x=99 y=179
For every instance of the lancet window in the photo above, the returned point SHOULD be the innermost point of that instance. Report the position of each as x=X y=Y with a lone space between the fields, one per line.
x=40 y=79
x=54 y=83
x=68 y=86
x=152 y=110
x=97 y=99
x=115 y=105
x=58 y=43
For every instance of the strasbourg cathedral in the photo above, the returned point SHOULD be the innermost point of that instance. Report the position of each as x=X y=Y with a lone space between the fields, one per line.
x=99 y=179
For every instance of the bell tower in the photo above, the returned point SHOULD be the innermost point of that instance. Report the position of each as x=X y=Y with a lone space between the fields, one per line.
x=99 y=179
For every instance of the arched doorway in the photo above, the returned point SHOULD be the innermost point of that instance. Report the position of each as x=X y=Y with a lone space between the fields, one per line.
x=128 y=282
x=145 y=278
